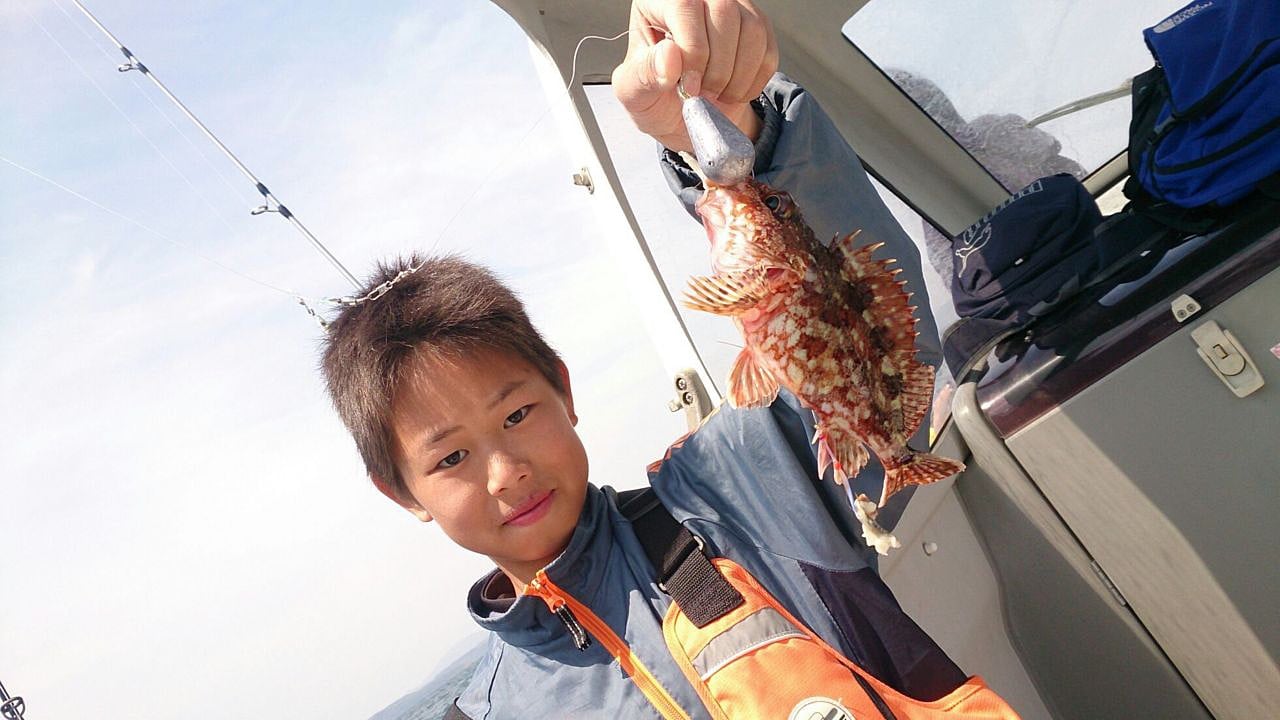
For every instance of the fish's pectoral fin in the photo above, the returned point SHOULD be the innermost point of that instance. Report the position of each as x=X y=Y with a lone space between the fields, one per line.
x=825 y=457
x=723 y=294
x=843 y=452
x=751 y=384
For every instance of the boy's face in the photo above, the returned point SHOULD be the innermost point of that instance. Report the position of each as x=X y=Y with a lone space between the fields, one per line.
x=487 y=448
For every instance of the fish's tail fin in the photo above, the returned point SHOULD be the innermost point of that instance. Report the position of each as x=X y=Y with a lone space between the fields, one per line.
x=919 y=469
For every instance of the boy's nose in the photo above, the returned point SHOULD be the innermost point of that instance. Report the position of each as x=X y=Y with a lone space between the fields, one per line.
x=506 y=471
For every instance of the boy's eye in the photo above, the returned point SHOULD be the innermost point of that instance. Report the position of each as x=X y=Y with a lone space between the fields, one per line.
x=516 y=417
x=452 y=459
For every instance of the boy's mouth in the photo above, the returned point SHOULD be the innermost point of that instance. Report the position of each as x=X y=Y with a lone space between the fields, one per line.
x=531 y=510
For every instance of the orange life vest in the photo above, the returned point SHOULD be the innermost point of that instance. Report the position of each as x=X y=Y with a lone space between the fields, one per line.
x=747 y=656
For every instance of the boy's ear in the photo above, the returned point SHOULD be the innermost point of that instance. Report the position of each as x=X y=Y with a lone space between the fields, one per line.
x=568 y=391
x=385 y=488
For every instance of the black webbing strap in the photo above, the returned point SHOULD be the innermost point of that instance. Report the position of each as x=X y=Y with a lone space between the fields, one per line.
x=684 y=572
x=876 y=700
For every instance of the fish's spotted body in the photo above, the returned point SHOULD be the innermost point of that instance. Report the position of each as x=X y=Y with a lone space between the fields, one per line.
x=831 y=324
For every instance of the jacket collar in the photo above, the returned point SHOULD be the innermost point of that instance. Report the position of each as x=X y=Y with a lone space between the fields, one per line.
x=579 y=570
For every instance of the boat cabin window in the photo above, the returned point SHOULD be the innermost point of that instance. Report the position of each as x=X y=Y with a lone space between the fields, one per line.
x=675 y=240
x=992 y=73
x=935 y=256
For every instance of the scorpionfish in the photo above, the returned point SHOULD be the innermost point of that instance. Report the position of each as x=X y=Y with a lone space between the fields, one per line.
x=831 y=324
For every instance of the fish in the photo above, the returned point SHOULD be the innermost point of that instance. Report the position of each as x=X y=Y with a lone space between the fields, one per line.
x=830 y=323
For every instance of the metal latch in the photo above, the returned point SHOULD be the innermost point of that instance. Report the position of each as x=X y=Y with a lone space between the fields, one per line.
x=1227 y=358
x=691 y=397
x=583 y=179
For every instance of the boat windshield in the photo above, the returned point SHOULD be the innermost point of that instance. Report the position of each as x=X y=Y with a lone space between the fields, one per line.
x=992 y=73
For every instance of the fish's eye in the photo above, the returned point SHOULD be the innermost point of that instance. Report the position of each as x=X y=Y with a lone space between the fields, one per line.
x=780 y=204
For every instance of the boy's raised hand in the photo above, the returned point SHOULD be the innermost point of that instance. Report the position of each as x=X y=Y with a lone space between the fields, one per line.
x=724 y=49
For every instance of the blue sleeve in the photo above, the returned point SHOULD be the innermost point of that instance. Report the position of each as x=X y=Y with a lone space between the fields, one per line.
x=801 y=151
x=753 y=473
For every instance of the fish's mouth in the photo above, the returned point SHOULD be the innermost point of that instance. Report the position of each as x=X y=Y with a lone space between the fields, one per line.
x=710 y=207
x=732 y=237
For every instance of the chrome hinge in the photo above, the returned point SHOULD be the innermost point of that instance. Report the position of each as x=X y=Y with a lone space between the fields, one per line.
x=1102 y=575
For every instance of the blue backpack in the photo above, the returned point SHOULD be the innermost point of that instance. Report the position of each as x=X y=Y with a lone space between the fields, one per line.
x=1206 y=122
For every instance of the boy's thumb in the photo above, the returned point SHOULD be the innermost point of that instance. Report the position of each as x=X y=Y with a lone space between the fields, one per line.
x=648 y=73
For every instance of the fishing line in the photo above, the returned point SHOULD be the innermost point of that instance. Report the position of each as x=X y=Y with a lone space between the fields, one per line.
x=152 y=231
x=386 y=286
x=382 y=289
x=308 y=304
x=576 y=48
x=66 y=53
x=97 y=44
x=271 y=203
x=653 y=264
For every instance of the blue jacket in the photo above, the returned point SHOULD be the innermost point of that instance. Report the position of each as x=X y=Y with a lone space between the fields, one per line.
x=746 y=483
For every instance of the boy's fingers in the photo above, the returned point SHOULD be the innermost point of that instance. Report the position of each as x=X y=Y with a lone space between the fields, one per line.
x=645 y=85
x=723 y=21
x=753 y=46
x=685 y=21
x=668 y=64
x=646 y=76
x=768 y=67
x=723 y=50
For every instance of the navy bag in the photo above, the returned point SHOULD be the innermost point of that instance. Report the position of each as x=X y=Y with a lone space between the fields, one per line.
x=1206 y=124
x=1016 y=263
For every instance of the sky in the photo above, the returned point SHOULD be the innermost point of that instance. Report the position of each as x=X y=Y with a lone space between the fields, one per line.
x=185 y=526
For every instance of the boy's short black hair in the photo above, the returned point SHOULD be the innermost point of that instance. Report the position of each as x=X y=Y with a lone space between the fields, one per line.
x=448 y=308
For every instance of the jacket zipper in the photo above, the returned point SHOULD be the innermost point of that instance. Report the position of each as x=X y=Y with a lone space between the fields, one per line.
x=570 y=610
x=581 y=639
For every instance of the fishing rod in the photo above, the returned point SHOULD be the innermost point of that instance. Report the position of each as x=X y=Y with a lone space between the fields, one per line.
x=270 y=203
x=11 y=708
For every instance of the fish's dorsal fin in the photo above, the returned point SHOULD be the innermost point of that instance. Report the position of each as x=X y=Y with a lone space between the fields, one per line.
x=727 y=294
x=856 y=259
x=750 y=383
x=891 y=299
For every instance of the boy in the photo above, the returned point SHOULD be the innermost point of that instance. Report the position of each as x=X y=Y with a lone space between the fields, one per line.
x=464 y=416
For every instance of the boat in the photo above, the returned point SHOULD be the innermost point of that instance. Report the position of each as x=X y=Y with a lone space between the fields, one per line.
x=1109 y=550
